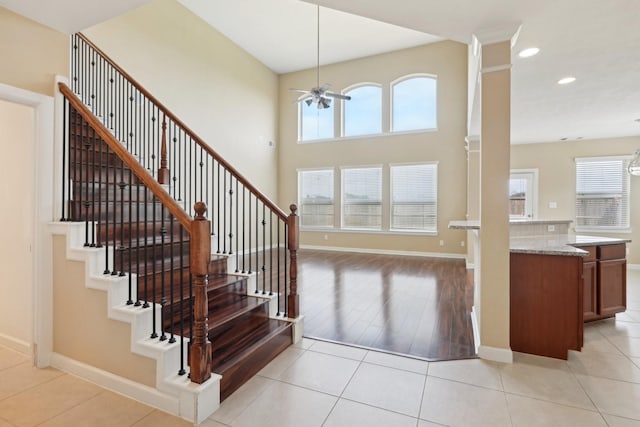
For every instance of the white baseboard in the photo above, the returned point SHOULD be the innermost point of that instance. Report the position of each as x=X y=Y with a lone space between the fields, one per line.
x=633 y=266
x=383 y=251
x=16 y=345
x=145 y=394
x=504 y=355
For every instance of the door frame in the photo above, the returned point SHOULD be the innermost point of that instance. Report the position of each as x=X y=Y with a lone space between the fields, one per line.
x=534 y=188
x=42 y=201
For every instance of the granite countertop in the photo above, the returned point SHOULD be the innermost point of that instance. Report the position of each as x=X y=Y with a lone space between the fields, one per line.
x=566 y=245
x=465 y=225
x=539 y=221
x=475 y=224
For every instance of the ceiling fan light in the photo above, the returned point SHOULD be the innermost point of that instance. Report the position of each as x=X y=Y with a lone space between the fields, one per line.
x=308 y=101
x=634 y=165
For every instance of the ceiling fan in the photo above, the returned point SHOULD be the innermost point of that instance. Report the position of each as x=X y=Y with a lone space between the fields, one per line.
x=319 y=95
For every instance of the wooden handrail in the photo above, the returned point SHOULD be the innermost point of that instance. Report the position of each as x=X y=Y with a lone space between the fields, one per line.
x=174 y=208
x=244 y=181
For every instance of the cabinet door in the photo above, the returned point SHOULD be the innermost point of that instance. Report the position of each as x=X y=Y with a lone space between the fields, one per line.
x=590 y=294
x=612 y=278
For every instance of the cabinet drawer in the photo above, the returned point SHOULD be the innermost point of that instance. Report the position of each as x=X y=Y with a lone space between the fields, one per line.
x=611 y=252
x=592 y=253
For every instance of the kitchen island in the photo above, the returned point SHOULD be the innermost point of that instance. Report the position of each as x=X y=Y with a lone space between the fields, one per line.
x=557 y=283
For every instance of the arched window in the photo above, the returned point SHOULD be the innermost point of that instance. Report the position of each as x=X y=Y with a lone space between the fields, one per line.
x=315 y=123
x=363 y=112
x=413 y=103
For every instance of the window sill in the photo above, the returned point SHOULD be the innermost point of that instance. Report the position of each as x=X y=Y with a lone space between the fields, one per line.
x=370 y=136
x=369 y=231
x=603 y=230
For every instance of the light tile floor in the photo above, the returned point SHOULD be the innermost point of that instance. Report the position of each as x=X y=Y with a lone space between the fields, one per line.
x=316 y=383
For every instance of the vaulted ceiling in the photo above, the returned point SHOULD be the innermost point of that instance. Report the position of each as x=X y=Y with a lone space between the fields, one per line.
x=596 y=41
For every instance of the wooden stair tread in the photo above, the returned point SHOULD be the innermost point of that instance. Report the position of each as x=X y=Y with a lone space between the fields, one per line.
x=218 y=283
x=139 y=269
x=226 y=356
x=227 y=307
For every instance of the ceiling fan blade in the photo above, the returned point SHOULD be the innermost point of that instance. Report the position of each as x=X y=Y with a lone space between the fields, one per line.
x=298 y=90
x=337 y=96
x=325 y=87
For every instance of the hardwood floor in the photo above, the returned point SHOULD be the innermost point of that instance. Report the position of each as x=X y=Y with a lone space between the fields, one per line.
x=408 y=305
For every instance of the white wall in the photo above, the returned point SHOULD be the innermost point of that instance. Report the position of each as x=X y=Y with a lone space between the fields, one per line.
x=16 y=215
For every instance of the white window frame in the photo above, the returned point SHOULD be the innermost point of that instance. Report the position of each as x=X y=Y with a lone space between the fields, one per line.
x=344 y=104
x=342 y=198
x=392 y=103
x=301 y=205
x=531 y=199
x=623 y=228
x=434 y=231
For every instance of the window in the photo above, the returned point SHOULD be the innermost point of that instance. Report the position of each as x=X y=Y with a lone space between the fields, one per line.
x=362 y=198
x=414 y=197
x=315 y=197
x=522 y=193
x=315 y=123
x=602 y=193
x=413 y=104
x=363 y=113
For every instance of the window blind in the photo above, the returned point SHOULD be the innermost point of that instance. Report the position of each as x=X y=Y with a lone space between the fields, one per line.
x=362 y=198
x=315 y=198
x=414 y=197
x=602 y=193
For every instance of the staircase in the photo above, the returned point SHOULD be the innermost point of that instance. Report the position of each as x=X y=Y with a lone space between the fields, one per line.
x=152 y=245
x=245 y=313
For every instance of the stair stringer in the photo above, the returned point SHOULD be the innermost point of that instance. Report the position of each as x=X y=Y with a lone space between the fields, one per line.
x=174 y=393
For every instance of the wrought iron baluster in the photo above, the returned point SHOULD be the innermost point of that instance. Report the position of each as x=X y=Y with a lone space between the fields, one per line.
x=130 y=253
x=65 y=134
x=163 y=270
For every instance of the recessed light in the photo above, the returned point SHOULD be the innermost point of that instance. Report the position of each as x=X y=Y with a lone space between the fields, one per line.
x=637 y=120
x=566 y=80
x=564 y=139
x=529 y=52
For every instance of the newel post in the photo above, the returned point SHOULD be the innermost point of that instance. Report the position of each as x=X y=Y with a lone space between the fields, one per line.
x=200 y=245
x=293 y=244
x=163 y=172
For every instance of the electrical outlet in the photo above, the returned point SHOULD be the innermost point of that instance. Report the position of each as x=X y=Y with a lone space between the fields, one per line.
x=553 y=205
x=441 y=242
x=551 y=228
x=326 y=237
x=462 y=243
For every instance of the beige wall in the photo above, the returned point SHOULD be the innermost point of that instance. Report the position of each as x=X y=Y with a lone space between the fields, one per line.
x=32 y=54
x=81 y=328
x=447 y=60
x=495 y=131
x=16 y=180
x=221 y=92
x=556 y=179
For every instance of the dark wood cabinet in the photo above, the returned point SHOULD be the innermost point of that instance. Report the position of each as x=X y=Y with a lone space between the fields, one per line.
x=546 y=314
x=590 y=293
x=604 y=281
